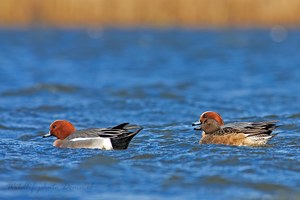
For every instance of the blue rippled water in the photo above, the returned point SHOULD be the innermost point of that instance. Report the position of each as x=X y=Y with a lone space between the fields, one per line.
x=162 y=80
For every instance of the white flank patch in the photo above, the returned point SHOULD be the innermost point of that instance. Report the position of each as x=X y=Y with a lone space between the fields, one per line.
x=99 y=143
x=107 y=144
x=254 y=140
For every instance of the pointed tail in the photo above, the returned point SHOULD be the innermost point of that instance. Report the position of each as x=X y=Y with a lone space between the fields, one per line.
x=123 y=142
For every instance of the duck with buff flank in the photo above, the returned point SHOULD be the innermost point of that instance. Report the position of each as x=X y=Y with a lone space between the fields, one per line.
x=238 y=133
x=117 y=137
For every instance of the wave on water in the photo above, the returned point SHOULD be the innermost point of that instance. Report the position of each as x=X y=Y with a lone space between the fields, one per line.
x=42 y=87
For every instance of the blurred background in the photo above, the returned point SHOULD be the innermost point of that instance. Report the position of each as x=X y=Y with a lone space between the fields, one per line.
x=159 y=64
x=158 y=13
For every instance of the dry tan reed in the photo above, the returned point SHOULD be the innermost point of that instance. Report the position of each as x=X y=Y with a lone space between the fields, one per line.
x=189 y=13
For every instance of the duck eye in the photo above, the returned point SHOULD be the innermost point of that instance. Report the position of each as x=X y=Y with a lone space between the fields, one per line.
x=204 y=116
x=54 y=126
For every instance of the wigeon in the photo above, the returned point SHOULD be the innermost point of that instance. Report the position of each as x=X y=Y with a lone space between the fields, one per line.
x=117 y=137
x=239 y=133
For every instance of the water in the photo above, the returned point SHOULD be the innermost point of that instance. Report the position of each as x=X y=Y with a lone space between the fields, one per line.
x=162 y=80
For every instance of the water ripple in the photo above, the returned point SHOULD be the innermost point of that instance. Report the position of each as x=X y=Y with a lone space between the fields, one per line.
x=51 y=88
x=162 y=80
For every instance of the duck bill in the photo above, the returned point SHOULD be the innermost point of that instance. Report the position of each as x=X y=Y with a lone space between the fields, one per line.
x=47 y=135
x=198 y=123
x=198 y=128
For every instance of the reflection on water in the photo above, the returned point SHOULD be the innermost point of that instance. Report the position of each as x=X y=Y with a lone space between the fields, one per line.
x=162 y=80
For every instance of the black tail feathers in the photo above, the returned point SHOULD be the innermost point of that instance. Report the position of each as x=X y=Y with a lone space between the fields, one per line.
x=123 y=141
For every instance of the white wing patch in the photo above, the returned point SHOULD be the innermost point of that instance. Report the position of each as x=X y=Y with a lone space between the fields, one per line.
x=95 y=142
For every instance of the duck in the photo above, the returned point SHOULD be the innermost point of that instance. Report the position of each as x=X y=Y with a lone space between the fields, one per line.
x=214 y=131
x=115 y=138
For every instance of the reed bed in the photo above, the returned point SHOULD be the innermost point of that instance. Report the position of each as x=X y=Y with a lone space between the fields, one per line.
x=187 y=13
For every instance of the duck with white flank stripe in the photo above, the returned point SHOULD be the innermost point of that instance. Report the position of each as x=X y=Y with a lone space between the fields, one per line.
x=117 y=137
